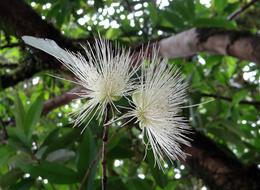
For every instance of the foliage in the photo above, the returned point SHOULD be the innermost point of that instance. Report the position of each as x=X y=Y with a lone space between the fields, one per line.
x=44 y=152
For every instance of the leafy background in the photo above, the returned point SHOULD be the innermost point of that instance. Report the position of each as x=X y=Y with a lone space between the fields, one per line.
x=44 y=152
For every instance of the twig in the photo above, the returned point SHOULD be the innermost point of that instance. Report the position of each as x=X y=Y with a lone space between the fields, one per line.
x=241 y=10
x=63 y=99
x=53 y=187
x=254 y=103
x=10 y=45
x=89 y=169
x=95 y=160
x=104 y=143
x=4 y=131
x=8 y=65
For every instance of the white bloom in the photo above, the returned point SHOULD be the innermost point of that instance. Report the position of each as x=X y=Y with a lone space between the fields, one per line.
x=106 y=74
x=157 y=106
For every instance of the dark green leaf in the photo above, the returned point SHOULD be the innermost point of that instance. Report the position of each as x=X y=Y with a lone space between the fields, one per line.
x=220 y=5
x=33 y=116
x=239 y=96
x=158 y=175
x=5 y=152
x=19 y=112
x=87 y=154
x=214 y=22
x=54 y=172
x=10 y=177
x=136 y=183
x=66 y=139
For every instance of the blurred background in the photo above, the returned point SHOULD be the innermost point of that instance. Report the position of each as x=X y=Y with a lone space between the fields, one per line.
x=39 y=149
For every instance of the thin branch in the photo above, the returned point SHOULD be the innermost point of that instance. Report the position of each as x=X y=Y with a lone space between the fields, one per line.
x=53 y=187
x=242 y=9
x=61 y=100
x=94 y=161
x=10 y=45
x=8 y=65
x=254 y=103
x=104 y=150
x=67 y=97
x=4 y=132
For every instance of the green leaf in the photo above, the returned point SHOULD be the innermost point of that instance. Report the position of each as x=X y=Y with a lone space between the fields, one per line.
x=63 y=14
x=60 y=155
x=114 y=183
x=19 y=112
x=52 y=136
x=153 y=13
x=183 y=8
x=191 y=8
x=5 y=153
x=55 y=173
x=87 y=153
x=113 y=33
x=219 y=5
x=226 y=135
x=120 y=152
x=18 y=140
x=136 y=183
x=214 y=22
x=10 y=177
x=33 y=116
x=173 y=18
x=24 y=184
x=120 y=147
x=230 y=64
x=60 y=142
x=239 y=96
x=158 y=175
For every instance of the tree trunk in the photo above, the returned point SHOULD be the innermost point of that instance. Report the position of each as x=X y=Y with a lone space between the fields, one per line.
x=219 y=168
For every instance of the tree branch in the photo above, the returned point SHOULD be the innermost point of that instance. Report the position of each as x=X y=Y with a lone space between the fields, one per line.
x=104 y=149
x=21 y=19
x=91 y=165
x=10 y=45
x=242 y=45
x=67 y=97
x=8 y=65
x=61 y=100
x=4 y=134
x=254 y=103
x=242 y=9
x=219 y=168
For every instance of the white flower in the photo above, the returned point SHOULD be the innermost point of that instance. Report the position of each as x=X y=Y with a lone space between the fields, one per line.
x=157 y=105
x=106 y=74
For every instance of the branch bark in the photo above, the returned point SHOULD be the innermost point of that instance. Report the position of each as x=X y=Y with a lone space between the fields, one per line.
x=219 y=169
x=61 y=100
x=19 y=18
x=253 y=103
x=242 y=45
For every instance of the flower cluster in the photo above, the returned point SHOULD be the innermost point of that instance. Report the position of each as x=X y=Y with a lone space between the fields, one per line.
x=107 y=74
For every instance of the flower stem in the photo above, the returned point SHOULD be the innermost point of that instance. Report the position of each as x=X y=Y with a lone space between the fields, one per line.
x=104 y=151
